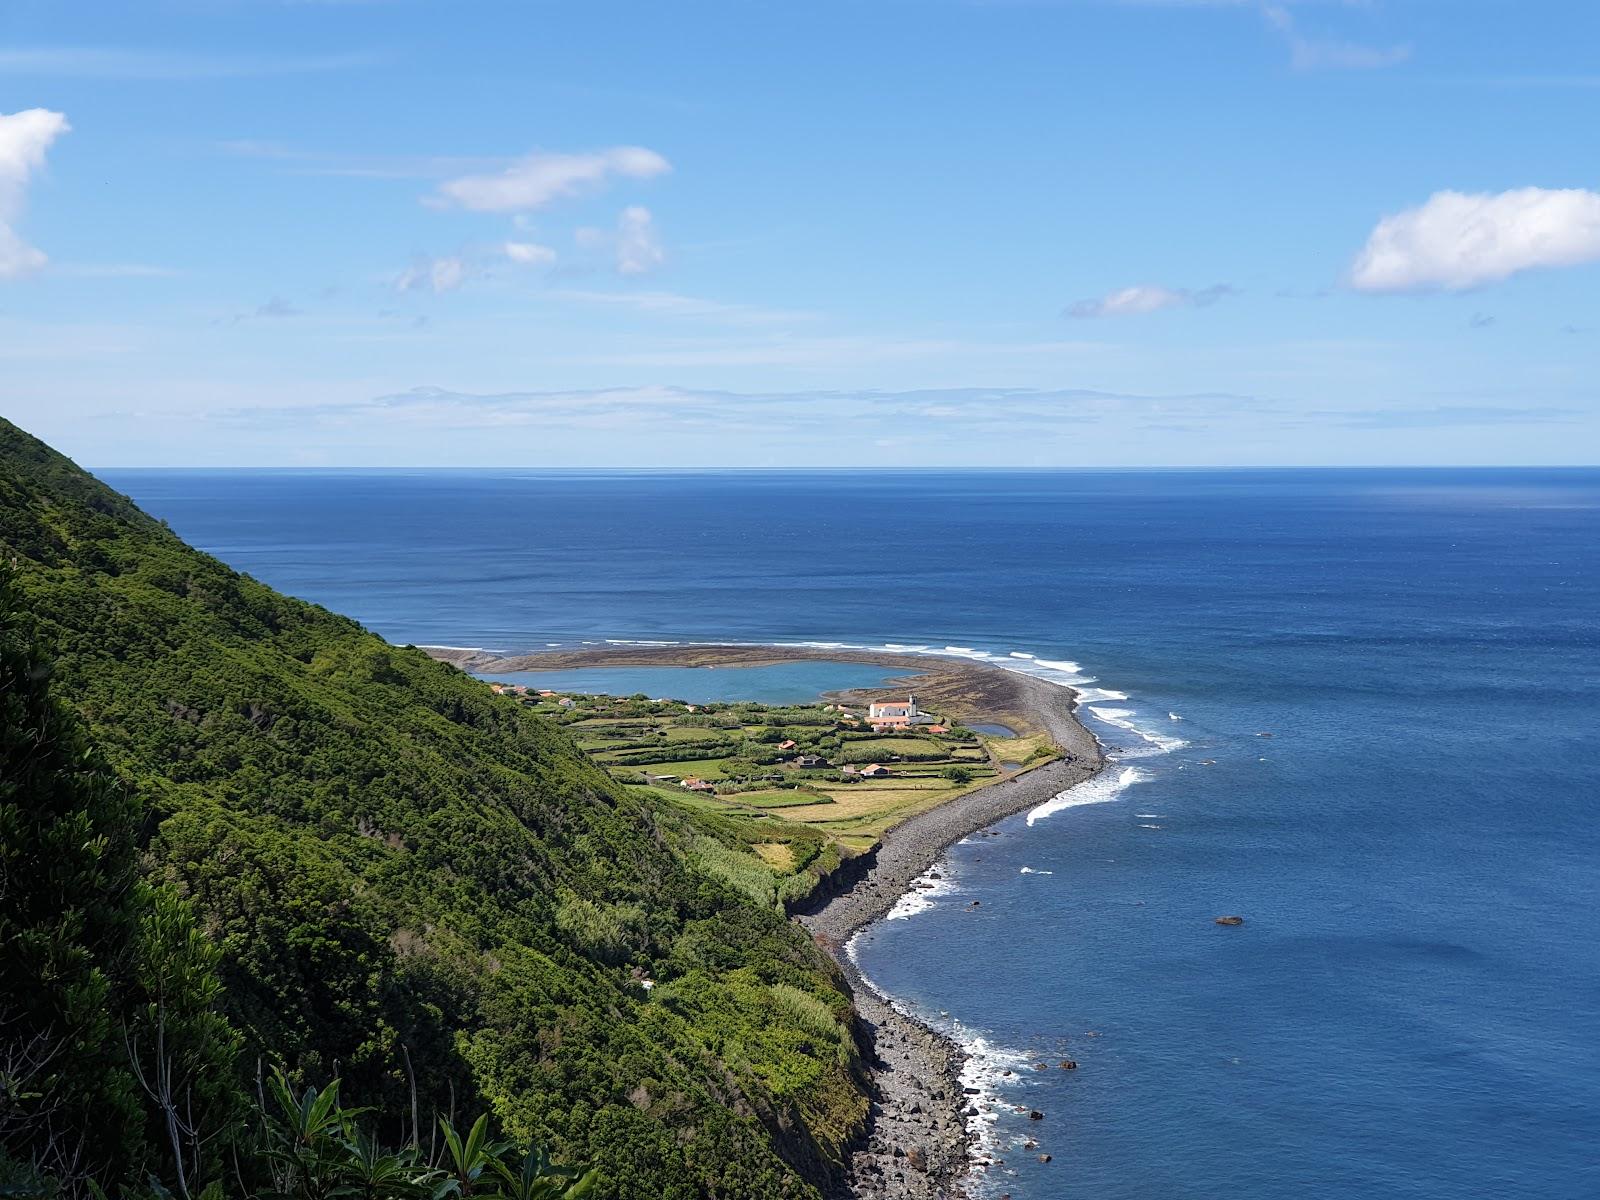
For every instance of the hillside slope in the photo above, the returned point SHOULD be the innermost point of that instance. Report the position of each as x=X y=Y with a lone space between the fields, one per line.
x=401 y=867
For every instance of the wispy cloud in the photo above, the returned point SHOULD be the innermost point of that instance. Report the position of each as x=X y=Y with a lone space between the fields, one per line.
x=823 y=352
x=1444 y=416
x=863 y=412
x=673 y=304
x=113 y=271
x=639 y=249
x=301 y=160
x=450 y=272
x=24 y=138
x=1454 y=240
x=539 y=179
x=1330 y=54
x=529 y=254
x=97 y=62
x=634 y=246
x=274 y=309
x=1148 y=298
x=437 y=275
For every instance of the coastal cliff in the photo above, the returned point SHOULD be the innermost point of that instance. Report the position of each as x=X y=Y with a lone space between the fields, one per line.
x=915 y=1146
x=418 y=888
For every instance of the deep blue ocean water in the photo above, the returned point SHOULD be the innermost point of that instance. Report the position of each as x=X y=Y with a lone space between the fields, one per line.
x=1412 y=1008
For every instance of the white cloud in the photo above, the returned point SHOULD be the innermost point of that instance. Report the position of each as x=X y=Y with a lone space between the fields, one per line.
x=433 y=274
x=1457 y=240
x=539 y=179
x=24 y=138
x=1319 y=54
x=1147 y=298
x=638 y=244
x=634 y=246
x=529 y=254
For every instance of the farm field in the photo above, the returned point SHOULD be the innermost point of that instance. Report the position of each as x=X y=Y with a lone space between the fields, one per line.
x=802 y=786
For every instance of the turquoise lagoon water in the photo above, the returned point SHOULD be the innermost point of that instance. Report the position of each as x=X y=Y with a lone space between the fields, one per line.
x=773 y=683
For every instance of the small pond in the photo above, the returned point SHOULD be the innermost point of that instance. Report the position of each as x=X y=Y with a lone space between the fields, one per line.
x=999 y=731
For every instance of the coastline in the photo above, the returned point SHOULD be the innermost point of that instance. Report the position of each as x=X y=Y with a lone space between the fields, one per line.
x=917 y=1145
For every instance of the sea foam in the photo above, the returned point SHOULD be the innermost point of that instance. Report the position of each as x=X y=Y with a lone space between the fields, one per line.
x=1103 y=788
x=985 y=1072
x=1156 y=743
x=924 y=893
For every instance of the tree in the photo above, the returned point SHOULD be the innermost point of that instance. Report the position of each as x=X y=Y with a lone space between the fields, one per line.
x=106 y=986
x=960 y=776
x=69 y=915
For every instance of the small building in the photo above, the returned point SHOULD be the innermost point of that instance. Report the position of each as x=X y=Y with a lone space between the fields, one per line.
x=938 y=729
x=849 y=769
x=875 y=771
x=698 y=785
x=787 y=744
x=547 y=693
x=566 y=702
x=893 y=714
x=499 y=689
x=810 y=762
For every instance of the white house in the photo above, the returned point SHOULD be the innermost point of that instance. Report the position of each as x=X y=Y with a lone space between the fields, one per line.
x=894 y=713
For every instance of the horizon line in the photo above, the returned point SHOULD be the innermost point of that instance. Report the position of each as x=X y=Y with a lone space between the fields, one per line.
x=857 y=470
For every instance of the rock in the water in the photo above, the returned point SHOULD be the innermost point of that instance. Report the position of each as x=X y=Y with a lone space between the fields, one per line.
x=1230 y=920
x=1044 y=1158
x=1068 y=1065
x=1035 y=1115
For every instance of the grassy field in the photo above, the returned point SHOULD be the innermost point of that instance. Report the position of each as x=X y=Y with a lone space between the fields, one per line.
x=794 y=822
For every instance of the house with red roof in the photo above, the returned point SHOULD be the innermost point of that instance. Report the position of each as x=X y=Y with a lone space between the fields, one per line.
x=894 y=714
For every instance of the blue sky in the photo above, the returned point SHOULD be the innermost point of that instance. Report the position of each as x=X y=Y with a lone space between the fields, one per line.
x=886 y=232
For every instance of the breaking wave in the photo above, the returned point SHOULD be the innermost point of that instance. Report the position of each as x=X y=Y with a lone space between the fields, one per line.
x=1104 y=787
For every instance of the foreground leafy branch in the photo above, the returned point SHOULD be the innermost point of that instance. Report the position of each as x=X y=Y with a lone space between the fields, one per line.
x=316 y=1150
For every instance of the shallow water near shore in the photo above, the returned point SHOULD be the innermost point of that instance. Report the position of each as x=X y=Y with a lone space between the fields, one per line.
x=778 y=683
x=1409 y=1007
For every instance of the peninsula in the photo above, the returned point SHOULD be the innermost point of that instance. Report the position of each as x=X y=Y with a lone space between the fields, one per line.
x=917 y=1145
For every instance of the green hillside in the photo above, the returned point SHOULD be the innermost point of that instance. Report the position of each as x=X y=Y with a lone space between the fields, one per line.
x=407 y=876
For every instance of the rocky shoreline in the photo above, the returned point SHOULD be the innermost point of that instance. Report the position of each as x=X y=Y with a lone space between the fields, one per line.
x=918 y=1147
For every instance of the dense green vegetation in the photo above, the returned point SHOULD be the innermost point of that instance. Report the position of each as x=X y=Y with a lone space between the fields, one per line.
x=107 y=992
x=398 y=879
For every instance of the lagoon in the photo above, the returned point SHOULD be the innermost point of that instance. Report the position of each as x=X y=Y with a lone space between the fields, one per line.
x=774 y=683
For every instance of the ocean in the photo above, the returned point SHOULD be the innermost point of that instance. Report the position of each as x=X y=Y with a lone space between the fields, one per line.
x=1411 y=1008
